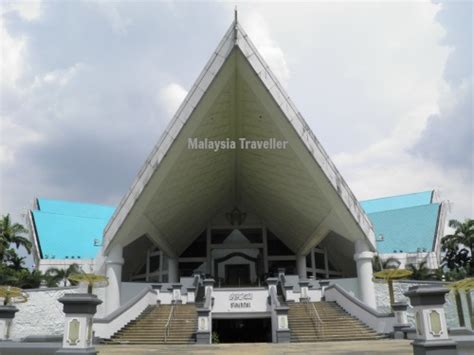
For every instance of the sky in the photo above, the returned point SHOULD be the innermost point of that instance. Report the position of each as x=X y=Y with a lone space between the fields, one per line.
x=87 y=88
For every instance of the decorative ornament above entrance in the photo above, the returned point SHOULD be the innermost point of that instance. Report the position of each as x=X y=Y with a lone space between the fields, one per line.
x=236 y=217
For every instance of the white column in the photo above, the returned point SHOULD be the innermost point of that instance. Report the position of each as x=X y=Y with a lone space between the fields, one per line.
x=465 y=309
x=265 y=249
x=301 y=266
x=363 y=258
x=172 y=269
x=113 y=262
x=208 y=250
x=313 y=264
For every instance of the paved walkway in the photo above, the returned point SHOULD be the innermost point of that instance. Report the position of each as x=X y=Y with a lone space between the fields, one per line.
x=385 y=347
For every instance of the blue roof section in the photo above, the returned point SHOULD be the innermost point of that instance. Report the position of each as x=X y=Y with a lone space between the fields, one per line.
x=68 y=229
x=406 y=229
x=406 y=222
x=396 y=202
x=77 y=209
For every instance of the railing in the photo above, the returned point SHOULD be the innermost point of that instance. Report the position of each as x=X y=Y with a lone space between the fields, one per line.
x=380 y=322
x=281 y=286
x=208 y=299
x=313 y=313
x=168 y=323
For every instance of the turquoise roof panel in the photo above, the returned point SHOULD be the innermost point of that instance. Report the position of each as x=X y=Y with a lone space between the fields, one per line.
x=408 y=230
x=77 y=209
x=396 y=202
x=68 y=229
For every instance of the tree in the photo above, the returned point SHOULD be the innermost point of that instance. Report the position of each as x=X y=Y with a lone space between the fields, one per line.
x=390 y=263
x=420 y=272
x=13 y=260
x=92 y=280
x=458 y=249
x=11 y=295
x=57 y=275
x=11 y=234
x=392 y=274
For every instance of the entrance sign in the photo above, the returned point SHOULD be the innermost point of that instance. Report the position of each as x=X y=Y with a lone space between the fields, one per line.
x=241 y=300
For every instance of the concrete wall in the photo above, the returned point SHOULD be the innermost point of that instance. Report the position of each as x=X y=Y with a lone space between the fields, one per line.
x=128 y=290
x=400 y=287
x=87 y=265
x=42 y=314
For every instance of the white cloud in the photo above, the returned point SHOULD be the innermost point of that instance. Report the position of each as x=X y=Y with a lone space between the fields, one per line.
x=388 y=168
x=115 y=18
x=171 y=96
x=29 y=10
x=258 y=31
x=12 y=57
x=60 y=77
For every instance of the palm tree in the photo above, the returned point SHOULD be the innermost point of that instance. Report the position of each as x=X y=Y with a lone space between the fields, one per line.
x=391 y=263
x=92 y=280
x=456 y=244
x=11 y=234
x=420 y=272
x=13 y=260
x=56 y=275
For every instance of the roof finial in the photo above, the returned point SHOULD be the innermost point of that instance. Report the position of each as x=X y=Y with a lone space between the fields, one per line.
x=235 y=25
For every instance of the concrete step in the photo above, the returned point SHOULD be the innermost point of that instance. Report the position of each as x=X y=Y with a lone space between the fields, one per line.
x=335 y=324
x=150 y=326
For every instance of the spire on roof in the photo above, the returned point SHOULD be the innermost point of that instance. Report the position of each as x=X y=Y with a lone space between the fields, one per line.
x=235 y=24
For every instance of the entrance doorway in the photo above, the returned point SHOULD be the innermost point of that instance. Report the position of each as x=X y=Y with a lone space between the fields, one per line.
x=237 y=274
x=257 y=330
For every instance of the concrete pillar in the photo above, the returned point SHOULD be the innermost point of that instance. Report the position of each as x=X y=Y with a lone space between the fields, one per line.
x=79 y=309
x=465 y=309
x=7 y=313
x=157 y=288
x=431 y=327
x=191 y=296
x=265 y=250
x=304 y=287
x=363 y=258
x=204 y=329
x=208 y=251
x=173 y=266
x=401 y=321
x=208 y=284
x=323 y=284
x=176 y=293
x=114 y=263
x=301 y=266
x=283 y=330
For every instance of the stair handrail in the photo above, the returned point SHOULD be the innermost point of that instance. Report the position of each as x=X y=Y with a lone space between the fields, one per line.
x=314 y=315
x=281 y=284
x=208 y=299
x=168 y=323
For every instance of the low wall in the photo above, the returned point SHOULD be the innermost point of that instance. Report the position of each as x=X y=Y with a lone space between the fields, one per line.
x=402 y=286
x=42 y=314
x=380 y=322
x=107 y=326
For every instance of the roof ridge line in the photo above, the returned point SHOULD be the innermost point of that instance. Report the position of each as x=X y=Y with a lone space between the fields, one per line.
x=405 y=208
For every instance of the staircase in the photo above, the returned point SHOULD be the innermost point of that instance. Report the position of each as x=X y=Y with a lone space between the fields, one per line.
x=150 y=326
x=334 y=324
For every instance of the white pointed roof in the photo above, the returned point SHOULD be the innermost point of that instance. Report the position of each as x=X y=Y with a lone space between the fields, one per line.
x=256 y=89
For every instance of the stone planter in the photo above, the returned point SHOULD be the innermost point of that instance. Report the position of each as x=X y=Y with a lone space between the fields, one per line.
x=7 y=313
x=79 y=309
x=431 y=329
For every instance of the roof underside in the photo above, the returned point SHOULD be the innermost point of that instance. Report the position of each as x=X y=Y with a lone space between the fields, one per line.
x=297 y=191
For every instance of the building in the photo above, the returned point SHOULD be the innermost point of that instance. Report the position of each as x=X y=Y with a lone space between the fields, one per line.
x=237 y=191
x=408 y=228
